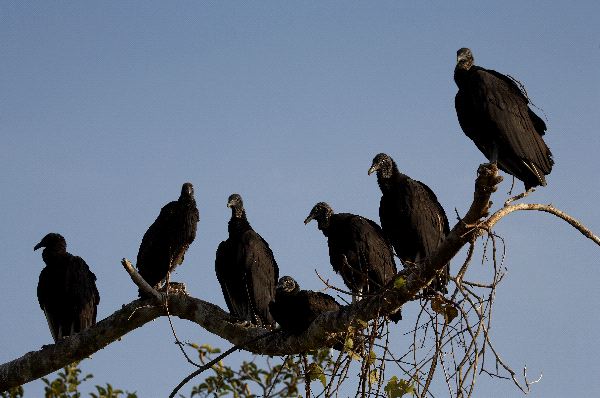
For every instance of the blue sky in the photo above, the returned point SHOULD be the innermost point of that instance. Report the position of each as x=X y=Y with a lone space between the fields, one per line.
x=106 y=108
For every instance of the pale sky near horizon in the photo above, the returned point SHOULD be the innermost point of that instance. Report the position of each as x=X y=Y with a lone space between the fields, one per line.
x=108 y=107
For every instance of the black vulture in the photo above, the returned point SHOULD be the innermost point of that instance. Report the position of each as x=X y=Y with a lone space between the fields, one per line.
x=412 y=219
x=66 y=290
x=295 y=309
x=358 y=250
x=493 y=111
x=165 y=242
x=246 y=269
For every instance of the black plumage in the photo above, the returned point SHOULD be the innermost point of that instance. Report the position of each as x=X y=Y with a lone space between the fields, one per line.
x=165 y=242
x=358 y=250
x=295 y=309
x=66 y=289
x=411 y=217
x=493 y=111
x=246 y=269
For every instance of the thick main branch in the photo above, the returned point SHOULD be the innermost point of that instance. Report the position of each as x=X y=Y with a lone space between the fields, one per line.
x=36 y=364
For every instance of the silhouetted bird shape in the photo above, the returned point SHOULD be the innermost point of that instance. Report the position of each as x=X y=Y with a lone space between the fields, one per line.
x=66 y=289
x=246 y=269
x=165 y=242
x=295 y=309
x=493 y=111
x=358 y=251
x=411 y=217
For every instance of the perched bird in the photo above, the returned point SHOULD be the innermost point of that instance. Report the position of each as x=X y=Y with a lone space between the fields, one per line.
x=493 y=111
x=66 y=290
x=295 y=309
x=412 y=219
x=246 y=269
x=165 y=242
x=358 y=250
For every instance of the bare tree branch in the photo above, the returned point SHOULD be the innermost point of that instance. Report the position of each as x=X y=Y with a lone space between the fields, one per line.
x=141 y=282
x=498 y=215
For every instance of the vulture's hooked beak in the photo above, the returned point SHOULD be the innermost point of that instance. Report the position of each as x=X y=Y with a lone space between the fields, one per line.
x=37 y=246
x=309 y=219
x=373 y=169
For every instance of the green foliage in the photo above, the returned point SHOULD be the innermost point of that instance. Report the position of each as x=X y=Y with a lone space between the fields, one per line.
x=284 y=377
x=249 y=381
x=15 y=392
x=110 y=392
x=397 y=388
x=66 y=385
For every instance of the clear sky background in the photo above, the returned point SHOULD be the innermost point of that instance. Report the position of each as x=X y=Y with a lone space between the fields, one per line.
x=107 y=108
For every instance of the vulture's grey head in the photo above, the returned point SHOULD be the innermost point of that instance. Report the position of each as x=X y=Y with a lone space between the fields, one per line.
x=287 y=285
x=235 y=203
x=187 y=191
x=383 y=165
x=53 y=241
x=320 y=212
x=464 y=59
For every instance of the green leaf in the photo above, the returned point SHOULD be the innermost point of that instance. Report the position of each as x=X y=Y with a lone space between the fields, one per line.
x=373 y=376
x=355 y=356
x=451 y=313
x=437 y=305
x=348 y=344
x=399 y=283
x=362 y=324
x=315 y=372
x=397 y=388
x=447 y=309
x=371 y=358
